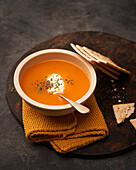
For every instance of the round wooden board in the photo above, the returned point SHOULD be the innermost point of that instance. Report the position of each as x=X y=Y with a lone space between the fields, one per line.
x=108 y=92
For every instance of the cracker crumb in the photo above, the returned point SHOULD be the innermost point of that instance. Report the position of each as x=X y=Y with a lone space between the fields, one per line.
x=119 y=101
x=133 y=122
x=118 y=96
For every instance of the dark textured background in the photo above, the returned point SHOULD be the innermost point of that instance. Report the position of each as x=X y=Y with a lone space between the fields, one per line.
x=24 y=24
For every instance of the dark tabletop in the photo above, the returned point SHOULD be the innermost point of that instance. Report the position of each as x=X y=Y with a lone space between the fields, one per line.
x=23 y=25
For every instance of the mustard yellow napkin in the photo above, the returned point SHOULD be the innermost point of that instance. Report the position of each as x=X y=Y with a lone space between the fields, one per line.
x=39 y=128
x=65 y=133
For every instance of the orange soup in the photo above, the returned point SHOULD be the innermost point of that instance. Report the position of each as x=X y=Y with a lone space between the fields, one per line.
x=44 y=81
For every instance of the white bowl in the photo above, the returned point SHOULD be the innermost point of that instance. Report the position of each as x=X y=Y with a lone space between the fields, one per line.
x=43 y=55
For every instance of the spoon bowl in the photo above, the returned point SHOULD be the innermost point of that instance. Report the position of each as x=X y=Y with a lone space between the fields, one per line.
x=80 y=108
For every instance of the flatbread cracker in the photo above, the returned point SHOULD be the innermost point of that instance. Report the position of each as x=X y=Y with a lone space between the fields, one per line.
x=133 y=122
x=110 y=69
x=105 y=71
x=92 y=61
x=99 y=61
x=78 y=51
x=84 y=52
x=94 y=55
x=122 y=111
x=106 y=59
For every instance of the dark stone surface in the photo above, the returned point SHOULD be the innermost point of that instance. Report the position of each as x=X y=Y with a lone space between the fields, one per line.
x=24 y=24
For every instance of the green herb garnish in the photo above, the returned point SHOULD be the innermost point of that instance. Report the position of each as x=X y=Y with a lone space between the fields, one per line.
x=11 y=89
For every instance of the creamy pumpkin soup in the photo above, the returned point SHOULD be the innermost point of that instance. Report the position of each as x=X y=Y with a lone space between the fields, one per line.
x=44 y=81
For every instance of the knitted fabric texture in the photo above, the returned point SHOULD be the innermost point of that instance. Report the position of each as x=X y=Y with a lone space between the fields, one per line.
x=65 y=133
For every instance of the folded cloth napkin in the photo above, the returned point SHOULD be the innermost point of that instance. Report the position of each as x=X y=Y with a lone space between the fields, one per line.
x=65 y=133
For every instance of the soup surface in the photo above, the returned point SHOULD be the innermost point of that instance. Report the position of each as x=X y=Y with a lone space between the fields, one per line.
x=44 y=81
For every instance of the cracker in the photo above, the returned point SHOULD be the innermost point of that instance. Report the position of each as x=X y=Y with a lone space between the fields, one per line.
x=133 y=122
x=106 y=59
x=92 y=61
x=84 y=52
x=94 y=55
x=106 y=71
x=78 y=51
x=100 y=62
x=122 y=111
x=110 y=69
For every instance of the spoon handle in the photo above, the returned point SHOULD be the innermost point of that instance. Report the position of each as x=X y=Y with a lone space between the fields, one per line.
x=82 y=109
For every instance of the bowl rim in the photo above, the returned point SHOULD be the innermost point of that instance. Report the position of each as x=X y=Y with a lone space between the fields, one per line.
x=52 y=107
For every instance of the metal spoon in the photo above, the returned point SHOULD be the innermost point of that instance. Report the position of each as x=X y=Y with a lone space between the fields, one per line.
x=82 y=109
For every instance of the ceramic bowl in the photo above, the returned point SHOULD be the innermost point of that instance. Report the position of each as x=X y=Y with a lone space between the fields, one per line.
x=47 y=54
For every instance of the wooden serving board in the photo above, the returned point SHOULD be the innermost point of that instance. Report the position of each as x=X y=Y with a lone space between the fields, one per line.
x=108 y=92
